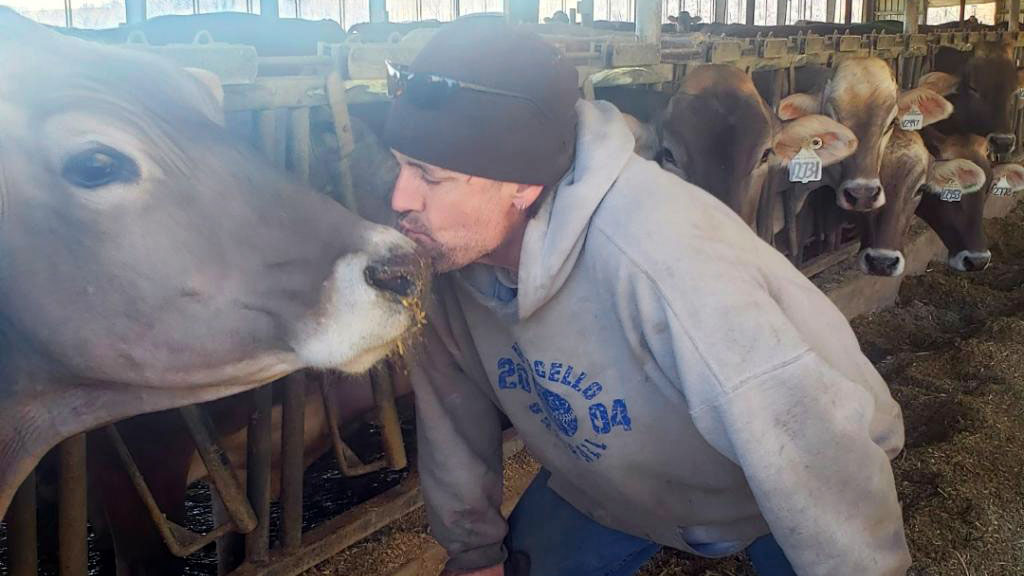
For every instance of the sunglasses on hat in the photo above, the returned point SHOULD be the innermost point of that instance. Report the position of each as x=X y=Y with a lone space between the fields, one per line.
x=432 y=91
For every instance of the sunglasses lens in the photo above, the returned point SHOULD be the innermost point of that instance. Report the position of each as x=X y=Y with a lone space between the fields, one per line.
x=429 y=93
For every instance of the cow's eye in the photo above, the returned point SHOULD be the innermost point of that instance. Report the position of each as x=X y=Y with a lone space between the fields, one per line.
x=99 y=166
x=766 y=155
x=667 y=157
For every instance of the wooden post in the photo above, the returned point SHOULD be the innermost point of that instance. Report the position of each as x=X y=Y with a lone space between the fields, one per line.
x=830 y=10
x=750 y=12
x=924 y=11
x=963 y=9
x=21 y=530
x=648 y=21
x=135 y=11
x=781 y=6
x=269 y=9
x=848 y=13
x=1013 y=15
x=910 y=17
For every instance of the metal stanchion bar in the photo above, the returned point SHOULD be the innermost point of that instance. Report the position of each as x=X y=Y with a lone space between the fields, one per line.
x=387 y=413
x=292 y=450
x=180 y=541
x=21 y=530
x=257 y=542
x=348 y=461
x=72 y=531
x=298 y=145
x=219 y=468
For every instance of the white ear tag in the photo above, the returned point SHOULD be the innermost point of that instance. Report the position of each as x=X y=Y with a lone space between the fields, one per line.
x=951 y=192
x=1002 y=188
x=912 y=120
x=806 y=165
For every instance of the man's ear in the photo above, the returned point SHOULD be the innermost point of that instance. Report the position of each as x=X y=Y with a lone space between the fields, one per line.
x=798 y=105
x=941 y=83
x=526 y=195
x=212 y=87
x=837 y=141
x=928 y=102
x=967 y=175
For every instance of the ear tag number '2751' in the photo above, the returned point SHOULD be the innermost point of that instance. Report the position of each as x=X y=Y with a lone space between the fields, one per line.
x=912 y=120
x=1002 y=188
x=806 y=165
x=951 y=192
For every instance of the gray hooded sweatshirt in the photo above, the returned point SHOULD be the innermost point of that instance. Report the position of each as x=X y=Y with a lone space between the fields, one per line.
x=681 y=380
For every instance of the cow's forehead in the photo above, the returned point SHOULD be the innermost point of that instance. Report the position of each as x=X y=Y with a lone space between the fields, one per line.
x=906 y=146
x=862 y=82
x=44 y=71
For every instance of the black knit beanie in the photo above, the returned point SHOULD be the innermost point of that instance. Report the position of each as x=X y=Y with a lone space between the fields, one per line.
x=490 y=135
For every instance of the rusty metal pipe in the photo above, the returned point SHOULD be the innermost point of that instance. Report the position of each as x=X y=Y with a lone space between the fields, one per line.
x=180 y=541
x=21 y=530
x=292 y=449
x=257 y=542
x=72 y=528
x=387 y=413
x=221 y=472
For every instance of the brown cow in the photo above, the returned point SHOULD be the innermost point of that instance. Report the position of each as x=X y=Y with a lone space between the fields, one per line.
x=717 y=132
x=148 y=260
x=861 y=94
x=907 y=171
x=981 y=85
x=959 y=223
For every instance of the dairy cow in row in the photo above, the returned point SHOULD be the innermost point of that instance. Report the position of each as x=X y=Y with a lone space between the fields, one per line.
x=718 y=133
x=908 y=172
x=149 y=260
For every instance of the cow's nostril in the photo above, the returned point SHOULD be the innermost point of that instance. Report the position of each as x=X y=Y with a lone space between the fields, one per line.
x=850 y=198
x=875 y=191
x=390 y=279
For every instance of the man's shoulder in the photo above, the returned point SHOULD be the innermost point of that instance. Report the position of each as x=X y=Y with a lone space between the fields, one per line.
x=656 y=219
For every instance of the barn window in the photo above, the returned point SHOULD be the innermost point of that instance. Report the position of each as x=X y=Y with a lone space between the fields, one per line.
x=941 y=11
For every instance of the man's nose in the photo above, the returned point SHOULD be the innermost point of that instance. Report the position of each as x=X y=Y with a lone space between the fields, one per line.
x=407 y=195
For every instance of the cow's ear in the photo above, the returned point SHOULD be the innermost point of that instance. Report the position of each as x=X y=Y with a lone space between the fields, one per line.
x=1014 y=174
x=941 y=83
x=211 y=85
x=837 y=141
x=928 y=102
x=800 y=104
x=645 y=136
x=966 y=175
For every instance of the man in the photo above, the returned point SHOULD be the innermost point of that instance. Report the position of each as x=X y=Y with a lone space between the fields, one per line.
x=680 y=382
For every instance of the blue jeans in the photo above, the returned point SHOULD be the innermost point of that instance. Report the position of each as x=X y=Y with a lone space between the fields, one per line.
x=558 y=540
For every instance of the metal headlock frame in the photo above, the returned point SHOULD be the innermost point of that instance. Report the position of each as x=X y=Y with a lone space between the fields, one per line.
x=281 y=111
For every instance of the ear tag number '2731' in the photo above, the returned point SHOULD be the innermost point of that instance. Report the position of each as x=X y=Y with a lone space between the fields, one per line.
x=912 y=120
x=1002 y=188
x=806 y=165
x=951 y=192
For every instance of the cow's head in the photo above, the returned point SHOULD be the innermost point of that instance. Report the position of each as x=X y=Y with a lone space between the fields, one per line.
x=907 y=172
x=958 y=222
x=149 y=260
x=718 y=133
x=981 y=87
x=863 y=96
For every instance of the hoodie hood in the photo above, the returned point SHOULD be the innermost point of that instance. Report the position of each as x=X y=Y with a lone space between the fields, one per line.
x=555 y=235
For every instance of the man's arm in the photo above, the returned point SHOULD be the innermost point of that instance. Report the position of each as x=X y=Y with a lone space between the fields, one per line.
x=458 y=432
x=800 y=430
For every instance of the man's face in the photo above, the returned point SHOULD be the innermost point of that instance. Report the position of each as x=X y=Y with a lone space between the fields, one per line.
x=456 y=218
